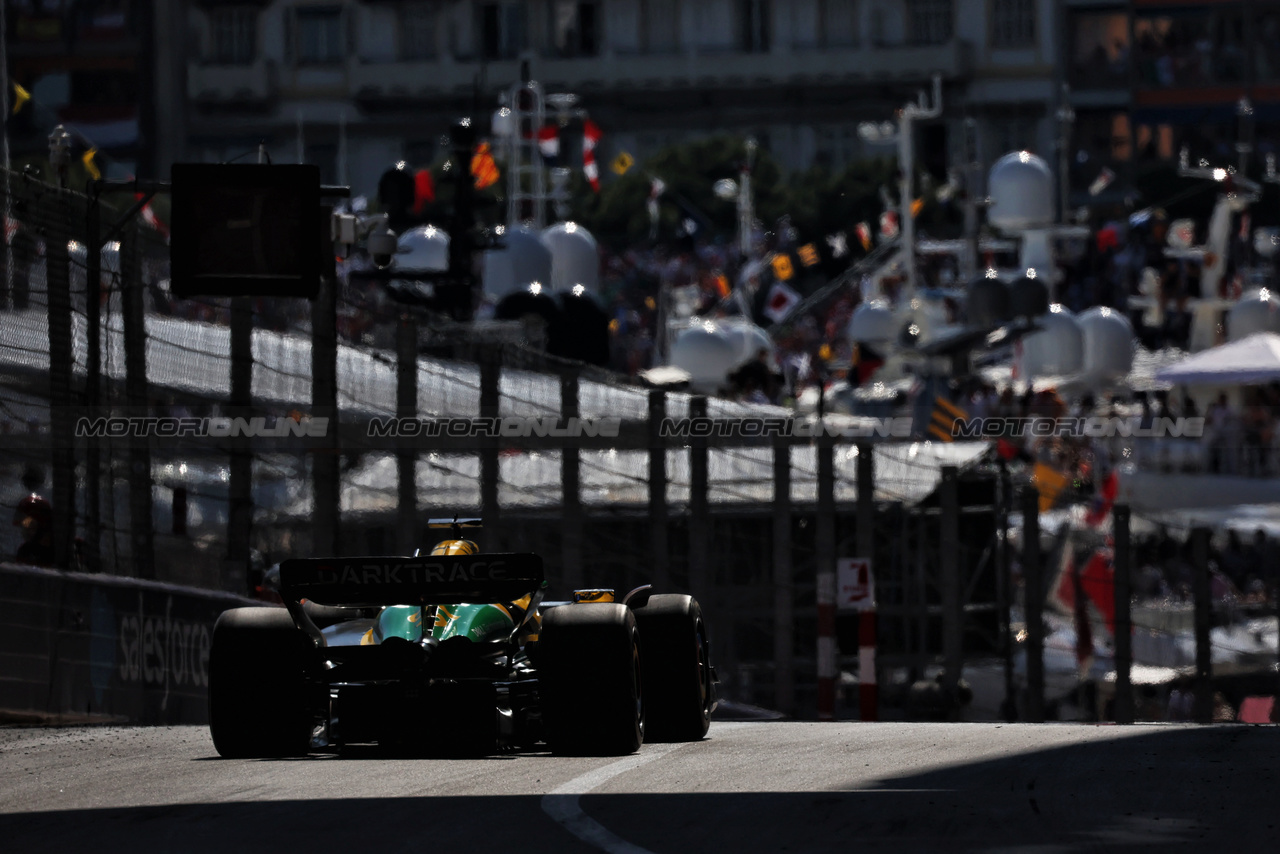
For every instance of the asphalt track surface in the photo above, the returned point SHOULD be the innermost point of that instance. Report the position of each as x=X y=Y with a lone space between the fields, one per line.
x=797 y=787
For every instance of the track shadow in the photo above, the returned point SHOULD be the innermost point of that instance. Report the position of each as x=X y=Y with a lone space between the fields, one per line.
x=1178 y=788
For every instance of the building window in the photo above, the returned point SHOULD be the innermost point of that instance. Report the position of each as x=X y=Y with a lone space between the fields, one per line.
x=929 y=21
x=1013 y=23
x=574 y=28
x=503 y=30
x=839 y=23
x=661 y=22
x=1099 y=50
x=235 y=35
x=754 y=25
x=320 y=35
x=418 y=31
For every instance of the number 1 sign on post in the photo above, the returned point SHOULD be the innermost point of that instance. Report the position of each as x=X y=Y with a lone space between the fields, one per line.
x=854 y=590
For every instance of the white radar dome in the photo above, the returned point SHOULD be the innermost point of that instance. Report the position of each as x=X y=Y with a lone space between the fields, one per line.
x=1257 y=311
x=1108 y=342
x=1021 y=189
x=575 y=259
x=521 y=262
x=707 y=354
x=1056 y=350
x=422 y=247
x=872 y=323
x=1266 y=241
x=748 y=340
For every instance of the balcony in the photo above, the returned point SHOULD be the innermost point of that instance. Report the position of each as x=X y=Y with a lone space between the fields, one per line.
x=720 y=69
x=232 y=84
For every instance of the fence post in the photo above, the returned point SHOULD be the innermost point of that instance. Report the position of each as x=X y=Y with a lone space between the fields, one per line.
x=240 y=486
x=406 y=453
x=867 y=642
x=825 y=576
x=61 y=426
x=326 y=537
x=783 y=582
x=1203 y=605
x=142 y=537
x=658 y=545
x=571 y=500
x=93 y=382
x=1122 y=565
x=1004 y=585
x=699 y=508
x=491 y=510
x=1033 y=603
x=952 y=607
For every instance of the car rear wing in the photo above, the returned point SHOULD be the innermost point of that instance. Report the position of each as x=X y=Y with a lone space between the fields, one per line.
x=424 y=579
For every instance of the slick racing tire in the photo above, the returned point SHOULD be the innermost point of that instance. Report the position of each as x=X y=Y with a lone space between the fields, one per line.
x=590 y=677
x=260 y=668
x=677 y=670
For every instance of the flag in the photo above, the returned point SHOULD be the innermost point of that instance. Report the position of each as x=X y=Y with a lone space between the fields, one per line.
x=424 y=190
x=20 y=97
x=89 y=166
x=944 y=419
x=1104 y=179
x=549 y=145
x=781 y=299
x=483 y=166
x=1102 y=502
x=864 y=235
x=590 y=136
x=916 y=207
x=839 y=243
x=1049 y=482
x=149 y=216
x=622 y=163
x=889 y=225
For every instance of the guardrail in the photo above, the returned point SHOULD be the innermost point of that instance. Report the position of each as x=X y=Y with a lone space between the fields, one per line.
x=75 y=646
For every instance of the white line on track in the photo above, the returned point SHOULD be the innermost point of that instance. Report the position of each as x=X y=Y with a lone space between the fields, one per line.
x=561 y=803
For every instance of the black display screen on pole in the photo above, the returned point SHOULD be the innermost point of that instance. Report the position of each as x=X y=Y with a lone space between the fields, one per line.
x=245 y=230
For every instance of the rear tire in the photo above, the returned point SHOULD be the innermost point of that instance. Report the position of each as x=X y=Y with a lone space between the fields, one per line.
x=260 y=685
x=677 y=668
x=590 y=680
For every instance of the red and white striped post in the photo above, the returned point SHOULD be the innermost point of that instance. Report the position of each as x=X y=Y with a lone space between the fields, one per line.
x=868 y=690
x=827 y=670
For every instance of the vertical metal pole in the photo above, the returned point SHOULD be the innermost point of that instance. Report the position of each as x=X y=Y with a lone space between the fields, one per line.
x=825 y=548
x=906 y=188
x=407 y=453
x=1122 y=566
x=658 y=547
x=326 y=539
x=1203 y=604
x=61 y=428
x=952 y=607
x=783 y=582
x=867 y=642
x=1005 y=595
x=700 y=579
x=142 y=537
x=93 y=381
x=240 y=486
x=570 y=485
x=1033 y=595
x=491 y=511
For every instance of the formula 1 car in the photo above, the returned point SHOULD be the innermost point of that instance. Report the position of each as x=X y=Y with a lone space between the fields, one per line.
x=455 y=653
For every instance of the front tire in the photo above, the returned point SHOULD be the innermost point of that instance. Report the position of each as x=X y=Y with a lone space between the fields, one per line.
x=590 y=678
x=677 y=668
x=260 y=667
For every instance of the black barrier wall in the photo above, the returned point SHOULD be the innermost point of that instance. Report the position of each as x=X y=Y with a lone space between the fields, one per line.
x=73 y=644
